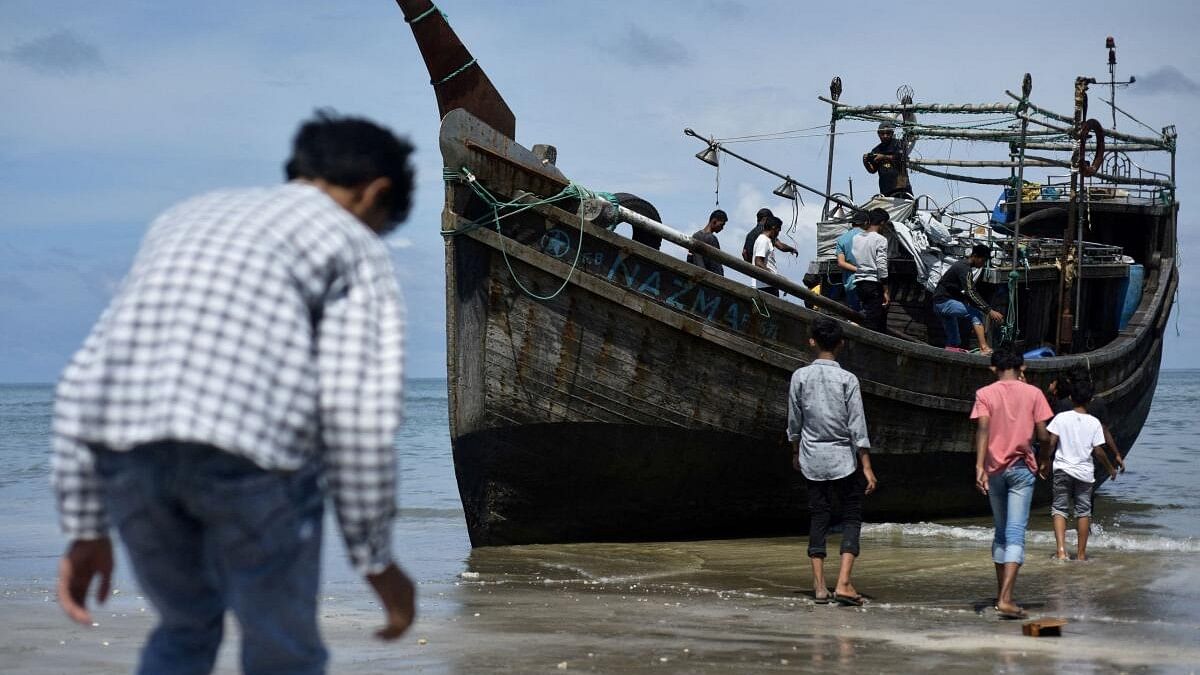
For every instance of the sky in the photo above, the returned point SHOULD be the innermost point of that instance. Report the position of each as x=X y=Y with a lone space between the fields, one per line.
x=114 y=111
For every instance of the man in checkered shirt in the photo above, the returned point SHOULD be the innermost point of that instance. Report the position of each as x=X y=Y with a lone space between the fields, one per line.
x=250 y=364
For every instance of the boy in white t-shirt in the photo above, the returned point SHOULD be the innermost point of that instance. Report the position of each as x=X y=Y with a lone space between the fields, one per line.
x=764 y=253
x=1075 y=439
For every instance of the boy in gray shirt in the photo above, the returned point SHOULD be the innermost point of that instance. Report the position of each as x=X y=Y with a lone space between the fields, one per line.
x=828 y=431
x=870 y=281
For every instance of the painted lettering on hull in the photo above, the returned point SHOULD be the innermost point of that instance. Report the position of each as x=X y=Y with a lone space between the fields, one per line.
x=681 y=293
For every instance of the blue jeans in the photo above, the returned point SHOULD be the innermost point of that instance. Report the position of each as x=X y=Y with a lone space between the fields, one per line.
x=1011 y=493
x=950 y=312
x=208 y=531
x=851 y=295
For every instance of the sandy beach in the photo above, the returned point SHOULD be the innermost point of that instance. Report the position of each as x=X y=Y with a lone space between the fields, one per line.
x=732 y=606
x=704 y=606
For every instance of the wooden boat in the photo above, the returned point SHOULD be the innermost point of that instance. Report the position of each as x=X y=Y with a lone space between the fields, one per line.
x=601 y=389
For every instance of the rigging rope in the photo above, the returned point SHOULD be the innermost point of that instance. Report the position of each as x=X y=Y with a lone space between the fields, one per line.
x=572 y=191
x=432 y=8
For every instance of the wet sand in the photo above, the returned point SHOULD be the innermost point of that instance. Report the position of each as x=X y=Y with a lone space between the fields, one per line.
x=716 y=606
x=733 y=606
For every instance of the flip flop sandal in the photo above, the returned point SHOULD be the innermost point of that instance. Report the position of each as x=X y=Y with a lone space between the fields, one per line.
x=849 y=600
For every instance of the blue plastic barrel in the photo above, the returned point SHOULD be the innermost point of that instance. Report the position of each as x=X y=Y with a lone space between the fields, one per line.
x=1039 y=353
x=1130 y=294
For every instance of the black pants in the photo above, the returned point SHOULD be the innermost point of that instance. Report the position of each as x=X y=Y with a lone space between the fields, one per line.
x=769 y=290
x=821 y=493
x=870 y=295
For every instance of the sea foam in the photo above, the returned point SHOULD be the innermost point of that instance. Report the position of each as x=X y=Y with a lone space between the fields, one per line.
x=1100 y=539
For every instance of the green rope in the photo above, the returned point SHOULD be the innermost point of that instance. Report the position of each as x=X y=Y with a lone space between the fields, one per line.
x=572 y=191
x=451 y=76
x=422 y=15
x=763 y=311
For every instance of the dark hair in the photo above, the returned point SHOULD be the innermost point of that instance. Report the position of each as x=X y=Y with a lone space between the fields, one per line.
x=858 y=218
x=1081 y=392
x=1079 y=373
x=351 y=151
x=763 y=213
x=773 y=223
x=878 y=216
x=981 y=251
x=1062 y=386
x=826 y=332
x=719 y=215
x=1007 y=358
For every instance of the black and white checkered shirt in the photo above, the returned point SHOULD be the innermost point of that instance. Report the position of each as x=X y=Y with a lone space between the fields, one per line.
x=265 y=322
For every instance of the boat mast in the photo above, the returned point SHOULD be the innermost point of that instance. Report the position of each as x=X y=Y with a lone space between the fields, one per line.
x=1022 y=112
x=835 y=92
x=456 y=77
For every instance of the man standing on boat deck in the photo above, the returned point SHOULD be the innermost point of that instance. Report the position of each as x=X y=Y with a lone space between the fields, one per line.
x=251 y=360
x=844 y=249
x=764 y=214
x=870 y=251
x=956 y=298
x=889 y=159
x=708 y=235
x=764 y=253
x=828 y=432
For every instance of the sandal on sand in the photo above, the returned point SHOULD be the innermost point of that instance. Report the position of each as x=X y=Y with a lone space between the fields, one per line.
x=849 y=600
x=823 y=599
x=1011 y=616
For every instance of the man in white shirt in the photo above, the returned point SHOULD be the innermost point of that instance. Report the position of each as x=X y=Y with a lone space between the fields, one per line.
x=1079 y=437
x=764 y=253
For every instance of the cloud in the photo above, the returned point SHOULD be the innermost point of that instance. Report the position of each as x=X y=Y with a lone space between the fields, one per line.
x=639 y=48
x=60 y=53
x=1166 y=80
x=399 y=243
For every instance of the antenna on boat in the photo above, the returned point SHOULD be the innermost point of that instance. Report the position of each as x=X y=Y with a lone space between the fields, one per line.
x=1111 y=45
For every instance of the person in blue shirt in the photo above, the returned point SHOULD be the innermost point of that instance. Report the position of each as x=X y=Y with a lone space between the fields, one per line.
x=845 y=258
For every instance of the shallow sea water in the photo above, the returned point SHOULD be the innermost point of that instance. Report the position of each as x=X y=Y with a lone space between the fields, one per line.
x=732 y=605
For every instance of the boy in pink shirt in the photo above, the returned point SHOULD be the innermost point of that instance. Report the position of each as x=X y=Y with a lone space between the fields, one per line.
x=1008 y=412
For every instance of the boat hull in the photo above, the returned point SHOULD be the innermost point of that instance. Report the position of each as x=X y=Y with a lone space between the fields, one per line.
x=596 y=422
x=600 y=389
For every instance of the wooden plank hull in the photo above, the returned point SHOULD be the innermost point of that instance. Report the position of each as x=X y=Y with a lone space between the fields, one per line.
x=598 y=422
x=647 y=398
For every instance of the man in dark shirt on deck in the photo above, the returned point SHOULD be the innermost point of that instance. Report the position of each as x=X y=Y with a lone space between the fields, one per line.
x=889 y=159
x=763 y=215
x=708 y=235
x=956 y=298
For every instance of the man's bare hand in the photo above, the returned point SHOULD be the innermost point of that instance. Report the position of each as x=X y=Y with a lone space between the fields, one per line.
x=396 y=594
x=83 y=561
x=871 y=482
x=995 y=316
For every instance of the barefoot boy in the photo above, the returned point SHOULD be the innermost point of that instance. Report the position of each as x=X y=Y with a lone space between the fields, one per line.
x=828 y=430
x=1078 y=437
x=1008 y=411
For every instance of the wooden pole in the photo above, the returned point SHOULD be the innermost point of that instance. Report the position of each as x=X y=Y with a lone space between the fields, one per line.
x=835 y=92
x=1026 y=88
x=773 y=172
